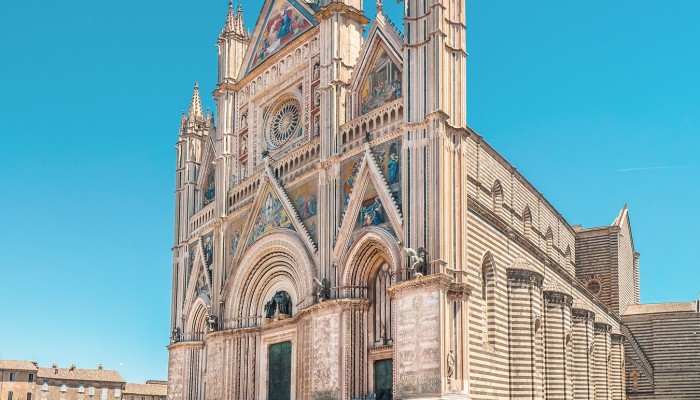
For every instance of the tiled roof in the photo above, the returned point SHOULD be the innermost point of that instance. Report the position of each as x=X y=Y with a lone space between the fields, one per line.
x=660 y=308
x=94 y=375
x=149 y=389
x=17 y=365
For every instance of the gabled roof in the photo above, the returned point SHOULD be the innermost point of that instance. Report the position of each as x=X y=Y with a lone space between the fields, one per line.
x=279 y=23
x=147 y=389
x=17 y=365
x=70 y=374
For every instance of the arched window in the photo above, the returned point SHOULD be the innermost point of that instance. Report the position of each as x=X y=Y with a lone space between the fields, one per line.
x=527 y=222
x=488 y=294
x=381 y=306
x=497 y=195
x=549 y=237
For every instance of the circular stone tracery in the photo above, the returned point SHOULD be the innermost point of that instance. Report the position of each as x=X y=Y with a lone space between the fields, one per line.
x=284 y=123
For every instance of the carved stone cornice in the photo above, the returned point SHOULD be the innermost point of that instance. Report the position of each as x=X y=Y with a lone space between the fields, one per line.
x=440 y=281
x=525 y=276
x=179 y=345
x=617 y=338
x=602 y=327
x=347 y=11
x=554 y=297
x=582 y=314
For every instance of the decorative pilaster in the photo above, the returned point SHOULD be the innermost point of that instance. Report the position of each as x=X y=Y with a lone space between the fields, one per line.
x=525 y=332
x=602 y=370
x=584 y=385
x=617 y=361
x=558 y=346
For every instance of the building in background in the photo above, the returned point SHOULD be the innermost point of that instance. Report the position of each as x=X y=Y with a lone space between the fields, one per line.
x=342 y=233
x=17 y=379
x=25 y=380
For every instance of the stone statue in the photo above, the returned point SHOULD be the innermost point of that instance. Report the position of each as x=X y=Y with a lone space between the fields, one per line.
x=175 y=336
x=417 y=260
x=317 y=72
x=284 y=302
x=450 y=364
x=323 y=290
x=270 y=308
x=213 y=322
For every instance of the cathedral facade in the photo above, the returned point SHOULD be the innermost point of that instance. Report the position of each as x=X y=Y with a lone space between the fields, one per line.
x=341 y=233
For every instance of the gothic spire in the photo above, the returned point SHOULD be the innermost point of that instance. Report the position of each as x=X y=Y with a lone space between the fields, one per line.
x=234 y=22
x=195 y=111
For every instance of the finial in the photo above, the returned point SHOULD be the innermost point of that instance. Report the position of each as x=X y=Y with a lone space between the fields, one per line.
x=230 y=3
x=240 y=8
x=380 y=6
x=195 y=110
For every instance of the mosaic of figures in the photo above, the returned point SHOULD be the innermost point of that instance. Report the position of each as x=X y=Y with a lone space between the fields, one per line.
x=382 y=85
x=348 y=173
x=208 y=248
x=372 y=212
x=284 y=23
x=201 y=285
x=304 y=197
x=388 y=156
x=271 y=215
x=210 y=186
x=234 y=230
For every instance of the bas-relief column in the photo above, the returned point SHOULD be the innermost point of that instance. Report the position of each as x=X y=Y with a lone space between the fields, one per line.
x=617 y=352
x=558 y=336
x=525 y=334
x=423 y=366
x=602 y=370
x=584 y=386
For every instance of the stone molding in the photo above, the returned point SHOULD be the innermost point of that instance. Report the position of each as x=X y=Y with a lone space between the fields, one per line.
x=602 y=327
x=582 y=314
x=554 y=297
x=525 y=276
x=617 y=338
x=440 y=281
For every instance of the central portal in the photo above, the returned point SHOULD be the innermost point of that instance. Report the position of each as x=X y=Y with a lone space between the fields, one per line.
x=279 y=377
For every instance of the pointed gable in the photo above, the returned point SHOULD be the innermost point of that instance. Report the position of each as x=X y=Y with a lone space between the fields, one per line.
x=280 y=22
x=377 y=80
x=271 y=214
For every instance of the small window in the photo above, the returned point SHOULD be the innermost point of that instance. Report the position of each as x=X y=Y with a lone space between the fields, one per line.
x=91 y=391
x=9 y=394
x=45 y=387
x=12 y=377
x=30 y=379
x=81 y=388
x=64 y=388
x=29 y=395
x=104 y=393
x=117 y=392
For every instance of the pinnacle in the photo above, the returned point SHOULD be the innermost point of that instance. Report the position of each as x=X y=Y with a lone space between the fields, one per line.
x=195 y=110
x=234 y=21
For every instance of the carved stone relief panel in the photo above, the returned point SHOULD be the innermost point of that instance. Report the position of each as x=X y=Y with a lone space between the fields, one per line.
x=175 y=372
x=418 y=344
x=326 y=330
x=213 y=376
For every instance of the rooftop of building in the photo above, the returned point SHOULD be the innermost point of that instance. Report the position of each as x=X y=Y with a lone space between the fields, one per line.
x=159 y=389
x=658 y=308
x=18 y=365
x=79 y=374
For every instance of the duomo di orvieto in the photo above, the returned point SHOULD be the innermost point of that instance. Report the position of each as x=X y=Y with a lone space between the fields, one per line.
x=341 y=233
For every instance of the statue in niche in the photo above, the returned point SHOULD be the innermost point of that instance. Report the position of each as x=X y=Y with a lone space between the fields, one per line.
x=450 y=364
x=317 y=72
x=279 y=305
x=317 y=98
x=244 y=145
x=317 y=125
x=417 y=260
x=175 y=336
x=244 y=121
x=244 y=171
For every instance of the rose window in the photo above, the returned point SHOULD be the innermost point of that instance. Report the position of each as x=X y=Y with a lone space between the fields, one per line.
x=285 y=122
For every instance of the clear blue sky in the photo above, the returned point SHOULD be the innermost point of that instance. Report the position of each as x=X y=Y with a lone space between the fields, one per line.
x=597 y=103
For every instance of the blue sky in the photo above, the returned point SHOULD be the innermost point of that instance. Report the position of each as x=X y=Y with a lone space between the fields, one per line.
x=596 y=103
